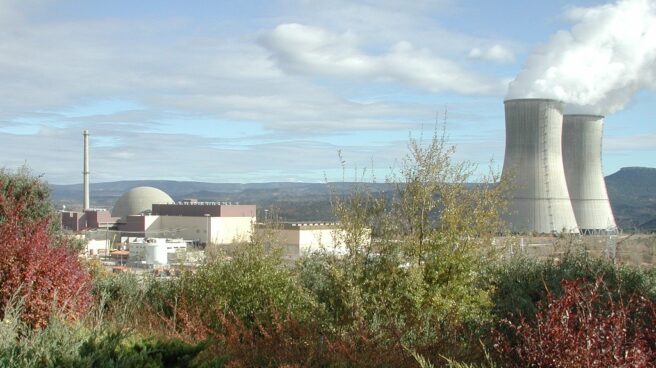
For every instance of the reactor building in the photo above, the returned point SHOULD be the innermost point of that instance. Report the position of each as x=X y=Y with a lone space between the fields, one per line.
x=554 y=165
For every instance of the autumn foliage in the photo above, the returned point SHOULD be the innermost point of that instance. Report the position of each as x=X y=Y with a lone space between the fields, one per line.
x=585 y=327
x=37 y=271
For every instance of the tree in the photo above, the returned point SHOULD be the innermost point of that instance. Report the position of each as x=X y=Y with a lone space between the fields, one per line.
x=422 y=275
x=37 y=269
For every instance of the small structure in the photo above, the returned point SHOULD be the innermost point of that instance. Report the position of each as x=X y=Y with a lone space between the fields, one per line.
x=154 y=251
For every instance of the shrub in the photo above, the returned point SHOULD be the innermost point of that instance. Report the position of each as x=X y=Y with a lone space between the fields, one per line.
x=65 y=344
x=253 y=286
x=584 y=327
x=521 y=284
x=36 y=266
x=432 y=240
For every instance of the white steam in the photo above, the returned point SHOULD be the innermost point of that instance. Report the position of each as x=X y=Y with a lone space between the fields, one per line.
x=599 y=65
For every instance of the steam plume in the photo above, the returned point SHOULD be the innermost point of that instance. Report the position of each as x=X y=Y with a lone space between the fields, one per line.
x=597 y=66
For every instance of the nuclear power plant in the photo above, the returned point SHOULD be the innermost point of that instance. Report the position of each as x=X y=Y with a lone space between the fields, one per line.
x=554 y=165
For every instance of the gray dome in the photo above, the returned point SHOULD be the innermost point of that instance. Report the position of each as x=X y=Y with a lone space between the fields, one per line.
x=139 y=199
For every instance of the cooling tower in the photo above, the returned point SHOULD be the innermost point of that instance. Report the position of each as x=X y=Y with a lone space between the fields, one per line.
x=585 y=179
x=539 y=201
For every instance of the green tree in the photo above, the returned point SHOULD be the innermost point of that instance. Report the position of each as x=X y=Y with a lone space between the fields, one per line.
x=424 y=268
x=32 y=192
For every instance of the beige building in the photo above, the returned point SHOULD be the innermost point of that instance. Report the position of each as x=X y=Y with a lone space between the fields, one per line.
x=298 y=239
x=203 y=229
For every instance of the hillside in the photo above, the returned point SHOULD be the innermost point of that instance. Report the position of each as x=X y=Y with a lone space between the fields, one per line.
x=292 y=201
x=632 y=193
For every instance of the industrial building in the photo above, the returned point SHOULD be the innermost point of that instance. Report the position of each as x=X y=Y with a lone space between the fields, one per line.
x=149 y=212
x=298 y=239
x=201 y=222
x=153 y=225
x=554 y=164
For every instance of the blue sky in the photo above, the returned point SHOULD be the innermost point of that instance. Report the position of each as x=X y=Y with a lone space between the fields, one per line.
x=255 y=91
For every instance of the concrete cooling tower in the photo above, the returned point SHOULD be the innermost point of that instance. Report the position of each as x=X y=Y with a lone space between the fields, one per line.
x=539 y=200
x=583 y=171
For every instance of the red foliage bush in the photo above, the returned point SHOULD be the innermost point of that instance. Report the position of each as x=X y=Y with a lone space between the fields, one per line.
x=36 y=270
x=584 y=327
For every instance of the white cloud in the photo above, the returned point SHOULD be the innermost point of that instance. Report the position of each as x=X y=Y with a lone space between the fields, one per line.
x=495 y=53
x=310 y=50
x=607 y=56
x=177 y=71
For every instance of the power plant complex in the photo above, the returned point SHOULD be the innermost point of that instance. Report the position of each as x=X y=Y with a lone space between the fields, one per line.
x=154 y=229
x=554 y=164
x=552 y=160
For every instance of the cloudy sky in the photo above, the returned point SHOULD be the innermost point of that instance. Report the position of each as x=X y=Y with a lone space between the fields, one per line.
x=254 y=91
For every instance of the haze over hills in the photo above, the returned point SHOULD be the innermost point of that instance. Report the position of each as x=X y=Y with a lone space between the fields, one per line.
x=631 y=191
x=292 y=201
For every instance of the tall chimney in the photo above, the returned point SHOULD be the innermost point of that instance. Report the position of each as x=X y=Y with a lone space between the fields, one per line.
x=539 y=200
x=585 y=179
x=85 y=173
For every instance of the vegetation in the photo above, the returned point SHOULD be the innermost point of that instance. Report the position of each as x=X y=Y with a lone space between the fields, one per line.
x=37 y=270
x=586 y=326
x=424 y=283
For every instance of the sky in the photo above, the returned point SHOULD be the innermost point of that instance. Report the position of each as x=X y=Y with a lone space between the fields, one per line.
x=277 y=90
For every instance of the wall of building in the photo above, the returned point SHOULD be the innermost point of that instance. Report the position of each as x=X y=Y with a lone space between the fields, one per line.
x=98 y=246
x=74 y=221
x=186 y=227
x=312 y=240
x=200 y=209
x=139 y=225
x=297 y=240
x=226 y=230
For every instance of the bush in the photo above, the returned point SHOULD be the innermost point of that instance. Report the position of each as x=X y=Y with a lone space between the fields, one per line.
x=65 y=344
x=584 y=327
x=418 y=285
x=521 y=284
x=252 y=288
x=36 y=266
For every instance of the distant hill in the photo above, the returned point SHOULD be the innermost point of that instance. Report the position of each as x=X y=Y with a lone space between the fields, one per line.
x=632 y=193
x=292 y=201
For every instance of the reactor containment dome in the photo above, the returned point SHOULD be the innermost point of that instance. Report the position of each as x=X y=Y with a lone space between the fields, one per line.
x=139 y=200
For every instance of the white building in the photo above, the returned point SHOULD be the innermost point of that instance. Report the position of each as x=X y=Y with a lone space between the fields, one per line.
x=298 y=239
x=202 y=222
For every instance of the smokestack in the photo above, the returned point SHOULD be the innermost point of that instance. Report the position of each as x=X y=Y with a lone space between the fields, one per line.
x=85 y=173
x=539 y=201
x=583 y=171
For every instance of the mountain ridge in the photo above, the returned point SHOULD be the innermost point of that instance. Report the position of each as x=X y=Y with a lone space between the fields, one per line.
x=630 y=191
